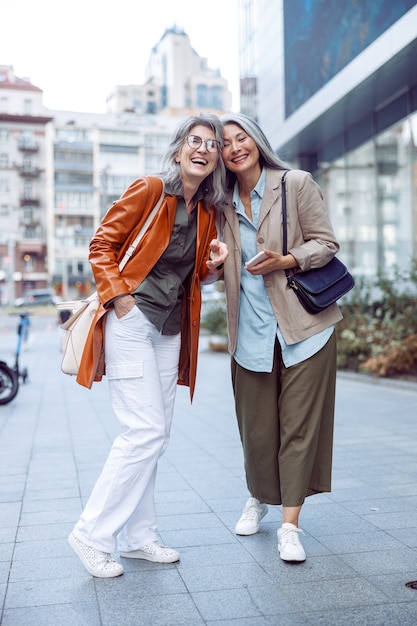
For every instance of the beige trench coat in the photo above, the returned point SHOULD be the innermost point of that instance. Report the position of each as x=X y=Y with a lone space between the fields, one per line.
x=311 y=241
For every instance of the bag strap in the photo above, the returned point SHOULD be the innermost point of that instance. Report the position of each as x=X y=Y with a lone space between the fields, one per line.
x=284 y=223
x=131 y=249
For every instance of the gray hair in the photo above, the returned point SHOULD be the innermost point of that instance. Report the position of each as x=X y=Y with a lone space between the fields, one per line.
x=212 y=187
x=267 y=157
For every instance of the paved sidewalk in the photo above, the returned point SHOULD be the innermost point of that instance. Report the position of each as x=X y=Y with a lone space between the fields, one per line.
x=360 y=540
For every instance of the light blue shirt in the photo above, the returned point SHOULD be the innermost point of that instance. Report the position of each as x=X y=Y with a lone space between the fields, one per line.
x=257 y=325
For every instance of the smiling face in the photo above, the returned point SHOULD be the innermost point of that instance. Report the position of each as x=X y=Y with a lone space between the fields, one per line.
x=196 y=161
x=240 y=153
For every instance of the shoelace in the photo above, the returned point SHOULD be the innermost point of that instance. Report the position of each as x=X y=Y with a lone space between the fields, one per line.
x=96 y=557
x=290 y=535
x=250 y=514
x=154 y=548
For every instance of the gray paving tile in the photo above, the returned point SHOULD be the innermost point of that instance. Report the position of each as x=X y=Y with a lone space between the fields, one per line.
x=388 y=521
x=29 y=550
x=224 y=576
x=226 y=604
x=323 y=526
x=360 y=539
x=315 y=568
x=6 y=551
x=382 y=562
x=197 y=537
x=181 y=507
x=272 y=600
x=202 y=556
x=49 y=517
x=407 y=536
x=4 y=571
x=3 y=588
x=394 y=585
x=388 y=614
x=156 y=580
x=47 y=568
x=74 y=614
x=44 y=592
x=383 y=505
x=184 y=522
x=9 y=514
x=166 y=610
x=7 y=534
x=44 y=531
x=51 y=494
x=335 y=594
x=59 y=504
x=360 y=542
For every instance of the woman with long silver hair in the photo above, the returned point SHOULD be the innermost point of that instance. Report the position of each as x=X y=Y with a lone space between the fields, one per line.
x=145 y=336
x=283 y=358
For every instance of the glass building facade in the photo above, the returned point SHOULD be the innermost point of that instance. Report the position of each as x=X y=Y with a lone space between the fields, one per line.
x=334 y=86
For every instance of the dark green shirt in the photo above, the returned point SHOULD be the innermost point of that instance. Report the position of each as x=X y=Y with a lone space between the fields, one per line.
x=159 y=296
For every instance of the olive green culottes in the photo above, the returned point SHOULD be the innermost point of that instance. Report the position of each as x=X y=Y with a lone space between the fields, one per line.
x=285 y=421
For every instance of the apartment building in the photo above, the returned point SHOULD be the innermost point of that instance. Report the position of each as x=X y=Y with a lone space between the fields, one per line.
x=24 y=177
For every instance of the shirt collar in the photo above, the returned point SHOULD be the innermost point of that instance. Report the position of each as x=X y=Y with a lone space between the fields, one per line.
x=259 y=188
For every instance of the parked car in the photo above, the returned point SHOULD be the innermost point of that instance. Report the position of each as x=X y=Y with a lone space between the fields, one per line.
x=35 y=297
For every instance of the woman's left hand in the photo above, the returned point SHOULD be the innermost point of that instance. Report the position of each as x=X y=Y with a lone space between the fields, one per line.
x=218 y=254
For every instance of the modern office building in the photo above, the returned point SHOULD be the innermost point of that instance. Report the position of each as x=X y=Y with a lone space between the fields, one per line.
x=177 y=80
x=334 y=85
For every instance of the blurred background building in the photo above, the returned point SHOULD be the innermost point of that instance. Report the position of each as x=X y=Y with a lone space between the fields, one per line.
x=61 y=170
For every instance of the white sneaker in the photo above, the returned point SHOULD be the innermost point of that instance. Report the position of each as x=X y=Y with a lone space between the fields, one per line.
x=289 y=544
x=153 y=552
x=253 y=512
x=97 y=563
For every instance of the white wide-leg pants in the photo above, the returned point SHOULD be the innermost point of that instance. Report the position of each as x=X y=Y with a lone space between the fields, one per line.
x=142 y=370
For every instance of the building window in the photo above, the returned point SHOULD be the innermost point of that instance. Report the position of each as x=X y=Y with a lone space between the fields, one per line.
x=202 y=96
x=27 y=107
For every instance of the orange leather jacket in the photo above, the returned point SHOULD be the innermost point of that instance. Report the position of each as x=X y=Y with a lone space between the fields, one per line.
x=117 y=230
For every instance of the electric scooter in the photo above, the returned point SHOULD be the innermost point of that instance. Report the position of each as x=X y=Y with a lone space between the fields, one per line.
x=10 y=376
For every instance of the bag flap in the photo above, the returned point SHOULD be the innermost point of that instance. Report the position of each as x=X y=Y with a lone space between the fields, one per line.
x=321 y=278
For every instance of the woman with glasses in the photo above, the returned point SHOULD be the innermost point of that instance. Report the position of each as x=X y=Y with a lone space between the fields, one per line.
x=145 y=336
x=283 y=358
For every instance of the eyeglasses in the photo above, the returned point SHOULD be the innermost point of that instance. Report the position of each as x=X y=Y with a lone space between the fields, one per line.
x=194 y=141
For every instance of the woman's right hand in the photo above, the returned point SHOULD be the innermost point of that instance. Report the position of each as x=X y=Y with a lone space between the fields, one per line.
x=123 y=305
x=274 y=261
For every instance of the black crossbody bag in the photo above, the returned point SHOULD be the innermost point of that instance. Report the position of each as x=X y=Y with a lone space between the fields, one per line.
x=318 y=288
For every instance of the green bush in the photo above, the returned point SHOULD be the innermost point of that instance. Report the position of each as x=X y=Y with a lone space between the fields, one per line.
x=214 y=317
x=380 y=319
x=378 y=333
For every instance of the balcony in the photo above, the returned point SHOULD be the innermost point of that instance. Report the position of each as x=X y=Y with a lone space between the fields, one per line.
x=28 y=145
x=29 y=201
x=28 y=172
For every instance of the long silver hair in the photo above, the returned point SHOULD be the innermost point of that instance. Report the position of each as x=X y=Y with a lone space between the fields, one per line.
x=267 y=157
x=212 y=187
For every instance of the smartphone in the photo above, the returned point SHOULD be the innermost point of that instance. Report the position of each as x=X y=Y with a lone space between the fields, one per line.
x=261 y=256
